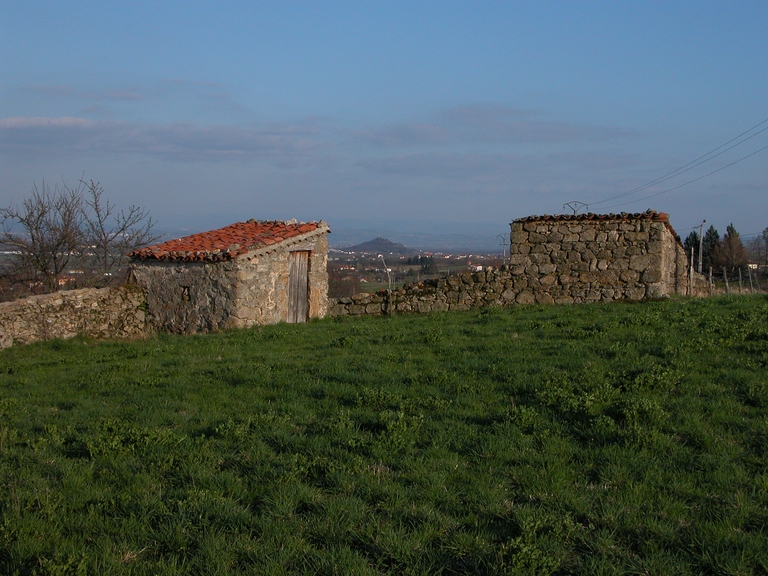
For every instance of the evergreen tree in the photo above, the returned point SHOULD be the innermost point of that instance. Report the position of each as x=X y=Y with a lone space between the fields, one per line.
x=731 y=253
x=764 y=238
x=692 y=241
x=711 y=242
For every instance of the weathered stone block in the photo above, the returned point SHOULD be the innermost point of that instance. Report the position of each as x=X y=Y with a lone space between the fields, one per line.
x=558 y=256
x=547 y=268
x=639 y=262
x=526 y=298
x=629 y=276
x=544 y=298
x=518 y=237
x=508 y=295
x=532 y=270
x=655 y=247
x=651 y=275
x=635 y=292
x=587 y=235
x=540 y=258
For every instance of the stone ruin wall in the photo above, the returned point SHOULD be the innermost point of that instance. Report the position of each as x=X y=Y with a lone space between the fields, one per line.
x=252 y=289
x=568 y=261
x=187 y=297
x=98 y=313
x=554 y=261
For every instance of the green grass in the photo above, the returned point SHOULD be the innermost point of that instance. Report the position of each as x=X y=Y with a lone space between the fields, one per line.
x=600 y=439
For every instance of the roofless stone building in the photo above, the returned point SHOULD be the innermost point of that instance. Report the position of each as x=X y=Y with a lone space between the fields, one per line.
x=590 y=257
x=248 y=273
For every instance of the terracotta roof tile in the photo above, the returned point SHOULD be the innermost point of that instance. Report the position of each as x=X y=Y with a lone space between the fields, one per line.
x=228 y=242
x=625 y=216
x=622 y=217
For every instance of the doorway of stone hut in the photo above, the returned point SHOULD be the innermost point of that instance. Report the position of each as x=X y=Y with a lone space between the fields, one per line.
x=298 y=286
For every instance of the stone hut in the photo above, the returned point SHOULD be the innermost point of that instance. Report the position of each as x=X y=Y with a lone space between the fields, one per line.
x=590 y=257
x=254 y=272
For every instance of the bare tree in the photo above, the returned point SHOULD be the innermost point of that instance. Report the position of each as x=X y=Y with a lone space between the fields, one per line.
x=56 y=230
x=51 y=234
x=109 y=235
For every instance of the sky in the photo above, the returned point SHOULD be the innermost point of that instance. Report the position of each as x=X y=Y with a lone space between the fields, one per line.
x=444 y=117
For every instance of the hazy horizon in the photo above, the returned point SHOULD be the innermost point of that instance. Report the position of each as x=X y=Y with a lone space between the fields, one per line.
x=433 y=118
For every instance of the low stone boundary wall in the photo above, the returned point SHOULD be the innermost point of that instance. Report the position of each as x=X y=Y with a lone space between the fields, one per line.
x=489 y=287
x=502 y=286
x=99 y=313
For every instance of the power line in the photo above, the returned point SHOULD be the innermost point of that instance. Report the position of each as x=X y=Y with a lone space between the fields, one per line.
x=689 y=166
x=689 y=182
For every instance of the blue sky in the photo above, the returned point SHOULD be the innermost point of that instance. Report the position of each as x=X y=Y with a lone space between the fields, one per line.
x=445 y=117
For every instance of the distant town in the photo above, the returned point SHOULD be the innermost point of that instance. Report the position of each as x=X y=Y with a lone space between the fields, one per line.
x=381 y=263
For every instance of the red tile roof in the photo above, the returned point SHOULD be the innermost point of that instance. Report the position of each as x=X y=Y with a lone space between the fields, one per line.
x=228 y=242
x=623 y=216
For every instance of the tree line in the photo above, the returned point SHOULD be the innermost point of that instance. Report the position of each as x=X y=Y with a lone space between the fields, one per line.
x=728 y=252
x=71 y=236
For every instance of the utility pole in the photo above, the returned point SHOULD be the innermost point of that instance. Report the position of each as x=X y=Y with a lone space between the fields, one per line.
x=575 y=205
x=389 y=285
x=690 y=276
x=701 y=242
x=503 y=248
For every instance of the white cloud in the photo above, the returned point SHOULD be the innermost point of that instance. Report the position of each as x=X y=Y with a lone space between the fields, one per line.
x=65 y=122
x=283 y=144
x=489 y=124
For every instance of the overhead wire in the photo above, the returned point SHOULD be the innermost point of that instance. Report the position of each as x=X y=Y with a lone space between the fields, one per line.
x=689 y=182
x=690 y=166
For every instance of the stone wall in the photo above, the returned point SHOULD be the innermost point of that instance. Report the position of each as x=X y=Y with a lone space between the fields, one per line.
x=591 y=258
x=556 y=260
x=187 y=297
x=99 y=313
x=252 y=289
x=490 y=287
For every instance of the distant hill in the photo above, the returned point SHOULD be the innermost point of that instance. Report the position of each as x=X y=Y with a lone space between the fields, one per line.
x=381 y=245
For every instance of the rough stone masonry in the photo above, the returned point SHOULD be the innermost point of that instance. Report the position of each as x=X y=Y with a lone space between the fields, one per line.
x=556 y=260
x=99 y=313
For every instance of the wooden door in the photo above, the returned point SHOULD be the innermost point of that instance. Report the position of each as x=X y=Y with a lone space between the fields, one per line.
x=298 y=287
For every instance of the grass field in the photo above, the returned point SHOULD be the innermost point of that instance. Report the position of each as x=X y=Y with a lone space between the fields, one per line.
x=596 y=439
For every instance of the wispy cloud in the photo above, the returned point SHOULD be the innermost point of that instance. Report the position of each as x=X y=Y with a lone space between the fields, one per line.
x=417 y=133
x=123 y=94
x=282 y=144
x=453 y=166
x=489 y=124
x=60 y=92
